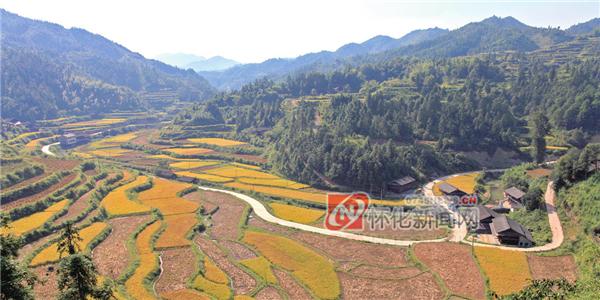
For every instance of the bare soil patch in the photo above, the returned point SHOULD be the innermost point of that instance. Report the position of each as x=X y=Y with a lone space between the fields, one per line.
x=26 y=182
x=52 y=164
x=48 y=288
x=111 y=257
x=29 y=248
x=552 y=267
x=177 y=267
x=268 y=293
x=42 y=194
x=420 y=287
x=374 y=272
x=237 y=250
x=455 y=264
x=290 y=285
x=226 y=220
x=257 y=222
x=350 y=250
x=242 y=282
x=76 y=208
x=209 y=207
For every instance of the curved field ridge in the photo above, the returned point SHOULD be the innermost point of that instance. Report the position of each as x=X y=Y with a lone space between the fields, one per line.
x=31 y=222
x=314 y=270
x=148 y=262
x=87 y=234
x=116 y=202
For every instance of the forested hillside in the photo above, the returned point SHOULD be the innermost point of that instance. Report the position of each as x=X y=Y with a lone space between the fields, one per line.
x=48 y=70
x=363 y=126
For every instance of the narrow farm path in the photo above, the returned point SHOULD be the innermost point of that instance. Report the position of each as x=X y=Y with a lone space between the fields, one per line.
x=46 y=149
x=260 y=210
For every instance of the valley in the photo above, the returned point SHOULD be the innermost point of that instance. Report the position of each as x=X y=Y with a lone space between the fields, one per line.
x=445 y=164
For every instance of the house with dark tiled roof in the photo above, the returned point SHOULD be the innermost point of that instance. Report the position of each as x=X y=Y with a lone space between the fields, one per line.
x=402 y=185
x=513 y=198
x=450 y=190
x=505 y=230
x=508 y=231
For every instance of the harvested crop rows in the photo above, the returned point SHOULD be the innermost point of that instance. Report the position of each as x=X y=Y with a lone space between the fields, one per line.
x=111 y=257
x=455 y=265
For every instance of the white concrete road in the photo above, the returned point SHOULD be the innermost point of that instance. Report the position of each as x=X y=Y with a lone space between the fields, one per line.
x=458 y=233
x=260 y=210
x=46 y=149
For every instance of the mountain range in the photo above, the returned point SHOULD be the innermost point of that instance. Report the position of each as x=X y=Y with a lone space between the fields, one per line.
x=197 y=63
x=489 y=35
x=48 y=70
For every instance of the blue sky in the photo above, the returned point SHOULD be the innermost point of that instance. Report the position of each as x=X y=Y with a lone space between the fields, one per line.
x=252 y=31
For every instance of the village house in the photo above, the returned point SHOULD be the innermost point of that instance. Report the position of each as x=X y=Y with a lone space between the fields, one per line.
x=513 y=198
x=450 y=190
x=402 y=185
x=505 y=230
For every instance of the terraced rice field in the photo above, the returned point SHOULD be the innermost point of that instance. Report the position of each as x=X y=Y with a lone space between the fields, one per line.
x=465 y=183
x=217 y=290
x=205 y=177
x=262 y=267
x=296 y=214
x=189 y=151
x=186 y=165
x=111 y=256
x=235 y=172
x=100 y=122
x=36 y=220
x=246 y=166
x=213 y=273
x=312 y=269
x=109 y=152
x=34 y=144
x=280 y=192
x=216 y=142
x=508 y=271
x=113 y=141
x=116 y=202
x=148 y=262
x=455 y=265
x=87 y=234
x=178 y=227
x=279 y=182
x=163 y=196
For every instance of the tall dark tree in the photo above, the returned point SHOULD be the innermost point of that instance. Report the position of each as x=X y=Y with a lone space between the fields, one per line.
x=77 y=275
x=16 y=282
x=539 y=129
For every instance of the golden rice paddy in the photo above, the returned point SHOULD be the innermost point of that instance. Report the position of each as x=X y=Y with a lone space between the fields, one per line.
x=262 y=267
x=216 y=141
x=87 y=234
x=234 y=172
x=296 y=214
x=101 y=122
x=178 y=226
x=36 y=220
x=109 y=152
x=186 y=165
x=163 y=196
x=313 y=270
x=188 y=151
x=508 y=271
x=117 y=203
x=148 y=262
x=279 y=182
x=206 y=177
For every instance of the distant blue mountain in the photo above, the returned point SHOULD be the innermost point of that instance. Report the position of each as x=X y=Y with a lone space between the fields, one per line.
x=197 y=63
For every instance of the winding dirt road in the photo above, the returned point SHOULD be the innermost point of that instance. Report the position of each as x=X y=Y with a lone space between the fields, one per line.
x=46 y=149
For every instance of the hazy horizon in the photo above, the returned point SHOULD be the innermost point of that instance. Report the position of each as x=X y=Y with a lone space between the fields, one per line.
x=253 y=32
